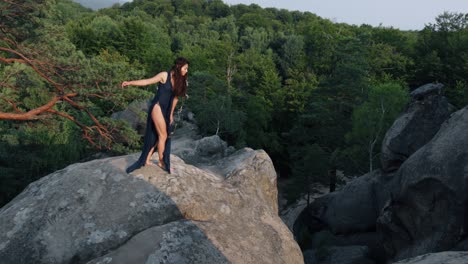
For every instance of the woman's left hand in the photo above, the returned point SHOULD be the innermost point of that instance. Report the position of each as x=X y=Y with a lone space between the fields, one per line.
x=171 y=120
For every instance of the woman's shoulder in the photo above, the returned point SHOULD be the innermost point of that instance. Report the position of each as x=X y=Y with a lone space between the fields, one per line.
x=163 y=76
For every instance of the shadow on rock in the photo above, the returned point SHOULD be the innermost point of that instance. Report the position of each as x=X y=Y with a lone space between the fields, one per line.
x=94 y=212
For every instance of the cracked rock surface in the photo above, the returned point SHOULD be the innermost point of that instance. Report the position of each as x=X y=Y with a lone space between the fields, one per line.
x=94 y=212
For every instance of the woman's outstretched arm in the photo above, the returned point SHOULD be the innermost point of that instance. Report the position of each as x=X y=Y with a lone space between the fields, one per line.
x=160 y=77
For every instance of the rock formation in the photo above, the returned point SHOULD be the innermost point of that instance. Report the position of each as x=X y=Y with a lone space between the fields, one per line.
x=187 y=142
x=135 y=115
x=94 y=212
x=428 y=211
x=438 y=258
x=417 y=203
x=415 y=127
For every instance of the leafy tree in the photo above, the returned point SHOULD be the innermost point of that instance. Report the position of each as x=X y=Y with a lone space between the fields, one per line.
x=385 y=61
x=188 y=7
x=459 y=94
x=349 y=81
x=217 y=116
x=440 y=50
x=217 y=9
x=155 y=8
x=251 y=67
x=30 y=151
x=214 y=109
x=255 y=18
x=142 y=40
x=292 y=57
x=372 y=119
x=310 y=165
x=322 y=39
x=64 y=11
x=227 y=28
x=256 y=39
x=402 y=41
x=104 y=33
x=19 y=18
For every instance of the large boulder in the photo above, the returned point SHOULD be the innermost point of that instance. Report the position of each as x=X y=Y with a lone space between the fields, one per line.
x=347 y=217
x=426 y=90
x=371 y=240
x=200 y=152
x=94 y=212
x=418 y=204
x=290 y=212
x=341 y=255
x=428 y=213
x=415 y=127
x=135 y=115
x=438 y=258
x=352 y=209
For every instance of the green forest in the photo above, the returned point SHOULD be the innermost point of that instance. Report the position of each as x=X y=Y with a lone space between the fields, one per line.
x=314 y=94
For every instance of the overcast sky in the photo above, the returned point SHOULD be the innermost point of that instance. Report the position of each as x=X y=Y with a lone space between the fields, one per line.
x=402 y=14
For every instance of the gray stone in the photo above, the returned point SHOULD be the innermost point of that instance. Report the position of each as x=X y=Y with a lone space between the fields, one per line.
x=180 y=242
x=414 y=128
x=135 y=115
x=428 y=213
x=462 y=246
x=309 y=257
x=427 y=89
x=438 y=258
x=191 y=117
x=341 y=255
x=420 y=198
x=352 y=209
x=386 y=186
x=198 y=151
x=95 y=212
x=186 y=141
x=371 y=240
x=210 y=146
x=290 y=213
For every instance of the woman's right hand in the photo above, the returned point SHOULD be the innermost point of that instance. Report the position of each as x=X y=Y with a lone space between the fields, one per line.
x=125 y=83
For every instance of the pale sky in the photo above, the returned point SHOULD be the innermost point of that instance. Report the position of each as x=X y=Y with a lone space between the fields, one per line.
x=402 y=14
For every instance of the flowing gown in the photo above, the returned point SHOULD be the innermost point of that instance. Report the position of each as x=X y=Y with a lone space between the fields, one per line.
x=164 y=97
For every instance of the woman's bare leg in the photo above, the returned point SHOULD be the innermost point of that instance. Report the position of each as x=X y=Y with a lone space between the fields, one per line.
x=150 y=154
x=160 y=125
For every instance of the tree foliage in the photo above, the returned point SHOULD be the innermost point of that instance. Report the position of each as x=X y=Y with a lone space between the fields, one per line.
x=441 y=50
x=370 y=121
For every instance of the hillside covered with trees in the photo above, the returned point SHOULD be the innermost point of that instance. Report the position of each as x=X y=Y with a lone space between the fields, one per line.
x=315 y=95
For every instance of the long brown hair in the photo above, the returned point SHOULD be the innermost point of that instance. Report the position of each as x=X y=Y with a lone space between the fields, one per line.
x=180 y=82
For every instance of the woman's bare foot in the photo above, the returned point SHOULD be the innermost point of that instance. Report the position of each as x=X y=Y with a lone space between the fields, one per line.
x=150 y=164
x=161 y=164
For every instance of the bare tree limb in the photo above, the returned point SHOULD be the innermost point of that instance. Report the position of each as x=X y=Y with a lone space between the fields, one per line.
x=31 y=114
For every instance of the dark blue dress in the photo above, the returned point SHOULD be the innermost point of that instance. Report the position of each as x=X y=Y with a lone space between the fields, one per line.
x=165 y=97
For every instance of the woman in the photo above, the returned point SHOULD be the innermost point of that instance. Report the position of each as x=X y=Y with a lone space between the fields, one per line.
x=172 y=84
